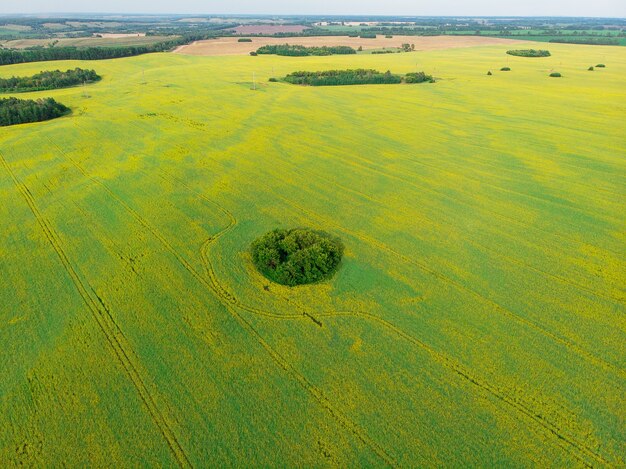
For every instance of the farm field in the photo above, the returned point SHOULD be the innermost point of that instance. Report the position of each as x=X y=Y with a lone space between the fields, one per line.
x=231 y=46
x=269 y=29
x=477 y=318
x=109 y=40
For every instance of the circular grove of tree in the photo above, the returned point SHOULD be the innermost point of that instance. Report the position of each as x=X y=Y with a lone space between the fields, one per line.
x=297 y=256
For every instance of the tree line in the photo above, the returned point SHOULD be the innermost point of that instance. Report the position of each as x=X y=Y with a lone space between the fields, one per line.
x=21 y=111
x=302 y=51
x=596 y=41
x=43 y=54
x=529 y=53
x=355 y=77
x=48 y=80
x=8 y=57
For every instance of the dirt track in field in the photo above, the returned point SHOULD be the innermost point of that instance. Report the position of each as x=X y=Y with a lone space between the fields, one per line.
x=231 y=46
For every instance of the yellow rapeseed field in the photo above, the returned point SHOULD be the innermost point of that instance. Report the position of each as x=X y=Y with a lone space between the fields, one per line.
x=477 y=318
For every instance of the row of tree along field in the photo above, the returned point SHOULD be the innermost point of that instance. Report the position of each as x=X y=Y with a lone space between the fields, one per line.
x=43 y=54
x=303 y=51
x=529 y=53
x=355 y=77
x=48 y=80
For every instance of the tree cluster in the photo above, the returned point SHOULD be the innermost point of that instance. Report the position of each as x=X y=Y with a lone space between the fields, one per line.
x=354 y=77
x=529 y=53
x=297 y=256
x=594 y=41
x=21 y=111
x=302 y=51
x=418 y=77
x=48 y=80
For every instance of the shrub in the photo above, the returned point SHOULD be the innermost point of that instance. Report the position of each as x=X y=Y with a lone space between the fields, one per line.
x=253 y=54
x=388 y=36
x=418 y=77
x=600 y=66
x=555 y=75
x=244 y=39
x=489 y=73
x=505 y=69
x=591 y=68
x=273 y=80
x=367 y=36
x=529 y=53
x=297 y=256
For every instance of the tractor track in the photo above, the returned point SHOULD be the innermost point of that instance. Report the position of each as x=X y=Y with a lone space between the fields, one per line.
x=232 y=303
x=581 y=451
x=370 y=166
x=459 y=286
x=506 y=258
x=105 y=322
x=227 y=301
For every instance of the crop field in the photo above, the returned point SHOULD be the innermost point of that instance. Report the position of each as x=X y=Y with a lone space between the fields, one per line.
x=477 y=318
x=113 y=40
x=269 y=29
x=232 y=46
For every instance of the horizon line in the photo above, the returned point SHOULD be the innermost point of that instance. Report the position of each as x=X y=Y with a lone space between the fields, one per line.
x=338 y=15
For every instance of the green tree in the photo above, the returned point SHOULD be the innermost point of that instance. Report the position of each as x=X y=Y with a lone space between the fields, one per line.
x=297 y=256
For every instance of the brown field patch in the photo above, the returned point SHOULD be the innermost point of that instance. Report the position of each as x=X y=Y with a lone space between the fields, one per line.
x=114 y=40
x=15 y=27
x=269 y=29
x=231 y=46
x=118 y=35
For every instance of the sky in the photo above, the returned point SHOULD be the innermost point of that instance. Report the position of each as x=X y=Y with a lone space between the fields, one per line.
x=597 y=8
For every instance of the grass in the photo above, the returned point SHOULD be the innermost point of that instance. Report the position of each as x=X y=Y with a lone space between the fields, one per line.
x=477 y=319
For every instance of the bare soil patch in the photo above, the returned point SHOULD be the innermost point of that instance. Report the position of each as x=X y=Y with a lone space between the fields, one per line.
x=231 y=46
x=118 y=36
x=269 y=29
x=113 y=40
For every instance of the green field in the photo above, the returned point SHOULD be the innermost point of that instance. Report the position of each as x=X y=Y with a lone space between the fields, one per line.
x=477 y=318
